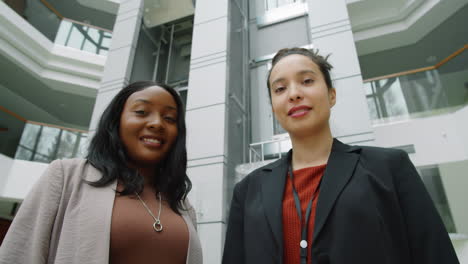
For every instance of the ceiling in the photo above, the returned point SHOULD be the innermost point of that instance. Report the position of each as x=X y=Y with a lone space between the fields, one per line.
x=380 y=25
x=34 y=100
x=447 y=37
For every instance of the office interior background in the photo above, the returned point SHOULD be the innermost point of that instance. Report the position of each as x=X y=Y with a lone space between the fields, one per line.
x=400 y=70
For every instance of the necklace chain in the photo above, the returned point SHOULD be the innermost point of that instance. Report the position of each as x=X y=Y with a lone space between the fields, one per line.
x=157 y=226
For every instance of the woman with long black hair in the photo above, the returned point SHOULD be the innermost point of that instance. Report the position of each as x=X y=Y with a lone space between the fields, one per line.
x=328 y=202
x=126 y=202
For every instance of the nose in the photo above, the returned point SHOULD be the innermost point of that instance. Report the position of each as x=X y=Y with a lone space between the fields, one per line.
x=295 y=93
x=155 y=123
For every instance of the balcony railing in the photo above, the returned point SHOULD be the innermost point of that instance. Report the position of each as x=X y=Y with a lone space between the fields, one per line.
x=39 y=141
x=61 y=30
x=421 y=92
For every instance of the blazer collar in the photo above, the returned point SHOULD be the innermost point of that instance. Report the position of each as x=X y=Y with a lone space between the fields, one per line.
x=340 y=167
x=272 y=186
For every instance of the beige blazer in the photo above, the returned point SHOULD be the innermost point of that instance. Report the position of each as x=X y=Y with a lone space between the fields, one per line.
x=64 y=220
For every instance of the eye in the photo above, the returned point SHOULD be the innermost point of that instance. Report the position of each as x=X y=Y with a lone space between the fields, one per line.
x=308 y=81
x=140 y=112
x=279 y=89
x=170 y=119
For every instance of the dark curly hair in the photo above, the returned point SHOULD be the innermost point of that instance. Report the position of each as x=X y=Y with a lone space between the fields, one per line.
x=321 y=61
x=106 y=152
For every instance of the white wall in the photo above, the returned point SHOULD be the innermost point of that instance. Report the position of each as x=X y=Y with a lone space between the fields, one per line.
x=461 y=247
x=18 y=176
x=437 y=139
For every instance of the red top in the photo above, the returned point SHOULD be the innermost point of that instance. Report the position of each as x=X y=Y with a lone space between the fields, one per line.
x=306 y=181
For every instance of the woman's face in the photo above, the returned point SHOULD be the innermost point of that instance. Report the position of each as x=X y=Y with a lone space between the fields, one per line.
x=300 y=97
x=148 y=125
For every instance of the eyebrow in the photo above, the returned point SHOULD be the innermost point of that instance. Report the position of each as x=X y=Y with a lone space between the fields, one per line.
x=149 y=102
x=308 y=71
x=300 y=73
x=275 y=81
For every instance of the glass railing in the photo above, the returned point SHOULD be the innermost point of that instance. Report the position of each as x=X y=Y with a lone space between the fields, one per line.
x=33 y=141
x=45 y=143
x=272 y=4
x=61 y=30
x=423 y=92
x=83 y=37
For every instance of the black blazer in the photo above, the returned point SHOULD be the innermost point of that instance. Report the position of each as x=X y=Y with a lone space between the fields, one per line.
x=372 y=208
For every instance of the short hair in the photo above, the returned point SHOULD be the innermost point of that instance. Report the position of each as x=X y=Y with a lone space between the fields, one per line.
x=107 y=153
x=321 y=61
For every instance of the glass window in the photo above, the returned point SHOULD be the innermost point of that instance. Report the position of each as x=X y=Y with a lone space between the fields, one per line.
x=29 y=136
x=67 y=145
x=48 y=141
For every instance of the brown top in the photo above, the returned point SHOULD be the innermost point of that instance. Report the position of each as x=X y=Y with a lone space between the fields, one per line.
x=306 y=182
x=133 y=239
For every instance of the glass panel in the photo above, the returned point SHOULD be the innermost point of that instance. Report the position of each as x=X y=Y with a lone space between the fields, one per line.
x=67 y=145
x=83 y=37
x=23 y=153
x=29 y=136
x=75 y=38
x=48 y=141
x=271 y=4
x=372 y=104
x=393 y=97
x=83 y=146
x=42 y=158
x=90 y=47
x=63 y=31
x=420 y=94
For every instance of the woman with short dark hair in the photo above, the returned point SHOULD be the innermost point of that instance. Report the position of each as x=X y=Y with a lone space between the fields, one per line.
x=126 y=202
x=325 y=201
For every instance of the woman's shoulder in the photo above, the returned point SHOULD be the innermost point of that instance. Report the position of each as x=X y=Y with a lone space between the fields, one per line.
x=74 y=169
x=382 y=154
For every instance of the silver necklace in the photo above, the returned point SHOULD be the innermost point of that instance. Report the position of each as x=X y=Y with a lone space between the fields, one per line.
x=157 y=226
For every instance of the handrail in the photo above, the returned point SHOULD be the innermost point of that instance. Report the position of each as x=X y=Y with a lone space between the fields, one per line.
x=22 y=119
x=49 y=6
x=86 y=25
x=436 y=66
x=60 y=16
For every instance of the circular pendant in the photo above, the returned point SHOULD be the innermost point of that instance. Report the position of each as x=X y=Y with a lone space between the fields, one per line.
x=303 y=244
x=157 y=226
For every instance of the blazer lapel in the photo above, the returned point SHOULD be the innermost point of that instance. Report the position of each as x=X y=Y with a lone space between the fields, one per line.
x=272 y=185
x=341 y=163
x=95 y=218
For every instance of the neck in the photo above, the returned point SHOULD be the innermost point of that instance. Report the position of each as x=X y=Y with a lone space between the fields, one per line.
x=311 y=150
x=148 y=176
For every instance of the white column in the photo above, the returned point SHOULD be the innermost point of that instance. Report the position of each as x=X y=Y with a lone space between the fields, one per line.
x=206 y=124
x=119 y=61
x=331 y=33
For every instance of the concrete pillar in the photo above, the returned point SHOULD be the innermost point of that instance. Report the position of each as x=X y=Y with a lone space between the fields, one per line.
x=206 y=117
x=119 y=61
x=330 y=30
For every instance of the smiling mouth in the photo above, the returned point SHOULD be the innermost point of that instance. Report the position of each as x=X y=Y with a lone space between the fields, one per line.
x=152 y=142
x=299 y=111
